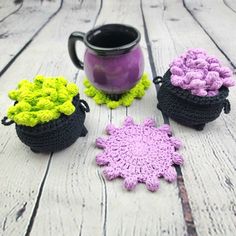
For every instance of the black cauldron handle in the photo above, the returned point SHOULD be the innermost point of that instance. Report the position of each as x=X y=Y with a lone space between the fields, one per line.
x=84 y=105
x=226 y=106
x=5 y=122
x=157 y=80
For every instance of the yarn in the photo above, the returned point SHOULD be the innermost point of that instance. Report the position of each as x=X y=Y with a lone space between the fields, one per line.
x=125 y=99
x=139 y=153
x=186 y=108
x=200 y=73
x=56 y=134
x=42 y=100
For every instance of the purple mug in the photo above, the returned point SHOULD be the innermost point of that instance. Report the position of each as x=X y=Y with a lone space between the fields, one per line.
x=113 y=60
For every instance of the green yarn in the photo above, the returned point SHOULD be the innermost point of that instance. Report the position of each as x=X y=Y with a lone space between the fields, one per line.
x=42 y=100
x=126 y=99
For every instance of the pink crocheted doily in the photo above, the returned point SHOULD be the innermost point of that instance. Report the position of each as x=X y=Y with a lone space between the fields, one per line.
x=139 y=153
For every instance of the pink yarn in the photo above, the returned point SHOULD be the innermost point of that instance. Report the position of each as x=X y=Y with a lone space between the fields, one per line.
x=200 y=73
x=139 y=153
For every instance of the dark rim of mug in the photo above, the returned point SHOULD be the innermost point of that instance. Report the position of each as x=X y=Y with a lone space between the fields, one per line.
x=114 y=50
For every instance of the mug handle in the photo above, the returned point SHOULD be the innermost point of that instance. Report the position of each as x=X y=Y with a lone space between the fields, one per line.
x=72 y=50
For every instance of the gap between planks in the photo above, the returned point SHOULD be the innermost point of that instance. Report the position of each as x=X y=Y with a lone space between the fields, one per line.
x=34 y=213
x=11 y=61
x=208 y=34
x=190 y=41
x=13 y=12
x=104 y=198
x=187 y=211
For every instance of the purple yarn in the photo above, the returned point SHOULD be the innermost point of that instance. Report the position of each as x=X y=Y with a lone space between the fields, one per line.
x=139 y=153
x=200 y=73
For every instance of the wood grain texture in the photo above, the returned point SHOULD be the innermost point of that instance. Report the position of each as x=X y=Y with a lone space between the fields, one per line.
x=8 y=8
x=231 y=4
x=73 y=201
x=21 y=171
x=136 y=212
x=65 y=193
x=209 y=170
x=20 y=29
x=85 y=192
x=217 y=19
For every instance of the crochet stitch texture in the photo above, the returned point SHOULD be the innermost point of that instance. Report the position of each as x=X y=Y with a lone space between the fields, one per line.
x=56 y=134
x=42 y=100
x=126 y=99
x=139 y=153
x=200 y=73
x=187 y=109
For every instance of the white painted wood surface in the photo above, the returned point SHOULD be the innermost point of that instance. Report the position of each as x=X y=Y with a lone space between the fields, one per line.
x=8 y=8
x=107 y=200
x=218 y=20
x=209 y=170
x=66 y=194
x=231 y=4
x=20 y=29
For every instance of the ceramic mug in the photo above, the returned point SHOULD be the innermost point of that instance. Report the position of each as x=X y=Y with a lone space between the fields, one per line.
x=113 y=60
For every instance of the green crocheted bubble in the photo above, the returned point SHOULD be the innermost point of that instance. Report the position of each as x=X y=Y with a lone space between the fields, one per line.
x=42 y=100
x=126 y=99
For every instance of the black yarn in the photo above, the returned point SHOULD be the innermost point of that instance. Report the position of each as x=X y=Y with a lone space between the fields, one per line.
x=187 y=109
x=57 y=134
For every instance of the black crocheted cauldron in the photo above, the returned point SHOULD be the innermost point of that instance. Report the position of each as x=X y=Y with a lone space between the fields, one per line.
x=188 y=109
x=56 y=134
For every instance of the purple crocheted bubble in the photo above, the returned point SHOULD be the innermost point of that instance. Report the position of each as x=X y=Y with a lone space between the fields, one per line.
x=200 y=73
x=139 y=153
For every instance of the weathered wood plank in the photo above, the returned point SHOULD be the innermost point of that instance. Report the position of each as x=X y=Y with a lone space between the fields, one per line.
x=74 y=190
x=21 y=171
x=169 y=219
x=18 y=31
x=222 y=35
x=230 y=4
x=218 y=21
x=8 y=8
x=73 y=198
x=209 y=170
x=85 y=189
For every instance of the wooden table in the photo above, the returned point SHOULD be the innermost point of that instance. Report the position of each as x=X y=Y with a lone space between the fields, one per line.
x=65 y=193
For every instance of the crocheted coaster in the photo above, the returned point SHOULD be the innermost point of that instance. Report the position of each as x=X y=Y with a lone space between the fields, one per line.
x=139 y=153
x=126 y=99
